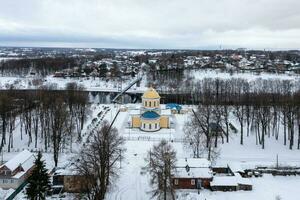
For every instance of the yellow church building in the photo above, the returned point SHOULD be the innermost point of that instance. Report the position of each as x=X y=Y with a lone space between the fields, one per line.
x=150 y=118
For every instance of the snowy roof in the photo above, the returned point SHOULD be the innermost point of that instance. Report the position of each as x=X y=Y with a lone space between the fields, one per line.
x=193 y=168
x=173 y=106
x=193 y=162
x=25 y=159
x=224 y=181
x=241 y=180
x=238 y=167
x=19 y=175
x=193 y=173
x=66 y=170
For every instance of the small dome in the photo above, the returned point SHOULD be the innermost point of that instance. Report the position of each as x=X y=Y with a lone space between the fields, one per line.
x=150 y=115
x=151 y=94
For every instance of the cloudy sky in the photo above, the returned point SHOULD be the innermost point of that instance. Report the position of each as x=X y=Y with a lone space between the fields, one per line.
x=195 y=24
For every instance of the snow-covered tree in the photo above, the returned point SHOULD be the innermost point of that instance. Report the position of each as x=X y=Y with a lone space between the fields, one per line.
x=161 y=161
x=39 y=181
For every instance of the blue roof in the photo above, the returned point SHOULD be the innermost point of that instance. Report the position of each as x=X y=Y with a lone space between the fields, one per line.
x=150 y=115
x=173 y=105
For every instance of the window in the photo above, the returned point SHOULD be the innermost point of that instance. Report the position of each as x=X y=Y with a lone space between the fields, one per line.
x=193 y=182
x=155 y=125
x=150 y=126
x=144 y=126
x=146 y=103
x=176 y=181
x=154 y=103
x=149 y=103
x=11 y=181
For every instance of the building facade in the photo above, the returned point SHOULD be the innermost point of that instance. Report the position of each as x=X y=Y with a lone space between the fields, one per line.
x=150 y=118
x=192 y=173
x=15 y=171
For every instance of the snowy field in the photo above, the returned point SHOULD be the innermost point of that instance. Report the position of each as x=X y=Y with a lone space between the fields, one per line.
x=90 y=84
x=131 y=185
x=100 y=84
x=250 y=76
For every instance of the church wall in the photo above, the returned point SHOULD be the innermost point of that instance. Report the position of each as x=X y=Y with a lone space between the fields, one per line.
x=150 y=103
x=164 y=122
x=155 y=125
x=136 y=122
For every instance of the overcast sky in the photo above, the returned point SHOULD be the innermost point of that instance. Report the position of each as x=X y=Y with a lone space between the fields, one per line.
x=200 y=24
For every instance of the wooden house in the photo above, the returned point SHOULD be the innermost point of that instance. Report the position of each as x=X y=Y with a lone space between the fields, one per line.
x=243 y=183
x=193 y=173
x=230 y=183
x=224 y=183
x=68 y=180
x=15 y=171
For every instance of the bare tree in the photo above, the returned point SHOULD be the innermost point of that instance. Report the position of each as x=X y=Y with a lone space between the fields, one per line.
x=59 y=125
x=203 y=118
x=98 y=161
x=193 y=135
x=161 y=161
x=239 y=112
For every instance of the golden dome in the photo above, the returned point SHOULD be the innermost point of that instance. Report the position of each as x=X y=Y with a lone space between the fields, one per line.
x=151 y=94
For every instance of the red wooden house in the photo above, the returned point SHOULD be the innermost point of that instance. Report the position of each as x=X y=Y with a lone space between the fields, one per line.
x=193 y=173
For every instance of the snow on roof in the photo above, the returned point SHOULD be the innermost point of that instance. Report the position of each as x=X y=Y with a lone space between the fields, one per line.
x=193 y=162
x=69 y=169
x=197 y=168
x=19 y=175
x=224 y=181
x=241 y=180
x=193 y=173
x=238 y=167
x=25 y=159
x=173 y=106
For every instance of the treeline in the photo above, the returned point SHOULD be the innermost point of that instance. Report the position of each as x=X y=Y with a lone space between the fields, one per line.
x=54 y=119
x=266 y=108
x=230 y=91
x=40 y=66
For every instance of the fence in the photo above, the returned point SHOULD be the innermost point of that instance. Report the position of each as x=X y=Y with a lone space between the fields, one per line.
x=148 y=138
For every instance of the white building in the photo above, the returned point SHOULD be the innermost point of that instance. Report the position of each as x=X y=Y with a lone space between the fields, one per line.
x=15 y=171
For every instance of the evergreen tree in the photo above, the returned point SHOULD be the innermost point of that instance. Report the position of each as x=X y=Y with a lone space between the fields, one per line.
x=39 y=181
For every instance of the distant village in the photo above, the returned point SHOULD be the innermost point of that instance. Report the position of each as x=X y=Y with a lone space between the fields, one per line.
x=116 y=63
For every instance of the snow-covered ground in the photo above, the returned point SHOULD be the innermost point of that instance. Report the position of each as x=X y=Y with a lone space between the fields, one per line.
x=250 y=76
x=110 y=85
x=90 y=84
x=134 y=186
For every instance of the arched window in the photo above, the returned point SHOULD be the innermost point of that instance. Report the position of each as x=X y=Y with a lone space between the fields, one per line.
x=149 y=103
x=154 y=103
x=149 y=126
x=155 y=125
x=146 y=103
x=144 y=125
